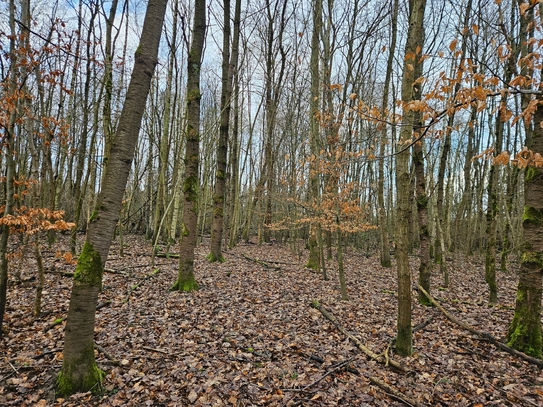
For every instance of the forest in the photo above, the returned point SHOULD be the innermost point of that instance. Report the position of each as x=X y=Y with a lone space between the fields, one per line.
x=271 y=202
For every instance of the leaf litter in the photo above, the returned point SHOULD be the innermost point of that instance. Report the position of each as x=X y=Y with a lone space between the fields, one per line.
x=249 y=336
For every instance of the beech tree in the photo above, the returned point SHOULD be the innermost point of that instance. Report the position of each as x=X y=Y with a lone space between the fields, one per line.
x=229 y=65
x=525 y=332
x=189 y=230
x=79 y=371
x=411 y=91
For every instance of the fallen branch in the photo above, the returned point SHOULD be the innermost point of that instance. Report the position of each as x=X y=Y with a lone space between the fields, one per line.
x=328 y=373
x=47 y=352
x=156 y=350
x=379 y=358
x=167 y=255
x=391 y=391
x=423 y=324
x=320 y=360
x=61 y=273
x=147 y=277
x=261 y=262
x=484 y=335
x=108 y=356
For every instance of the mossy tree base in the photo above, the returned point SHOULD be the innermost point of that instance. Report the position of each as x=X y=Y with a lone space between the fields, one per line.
x=79 y=371
x=386 y=262
x=525 y=333
x=213 y=258
x=72 y=380
x=186 y=285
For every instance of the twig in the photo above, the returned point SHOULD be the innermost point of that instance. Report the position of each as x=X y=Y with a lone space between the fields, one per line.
x=107 y=354
x=47 y=352
x=335 y=369
x=485 y=335
x=147 y=277
x=155 y=350
x=62 y=273
x=103 y=304
x=321 y=361
x=13 y=367
x=423 y=324
x=379 y=358
x=391 y=391
x=261 y=262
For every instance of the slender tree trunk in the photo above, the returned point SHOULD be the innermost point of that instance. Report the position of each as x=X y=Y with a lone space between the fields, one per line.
x=525 y=331
x=315 y=232
x=425 y=267
x=9 y=170
x=415 y=37
x=185 y=276
x=234 y=158
x=79 y=371
x=382 y=212
x=79 y=189
x=440 y=246
x=229 y=64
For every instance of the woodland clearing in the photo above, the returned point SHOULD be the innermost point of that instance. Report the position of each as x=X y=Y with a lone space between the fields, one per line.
x=250 y=336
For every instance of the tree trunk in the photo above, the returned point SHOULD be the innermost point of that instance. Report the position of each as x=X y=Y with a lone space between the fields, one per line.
x=382 y=212
x=525 y=332
x=79 y=371
x=9 y=170
x=313 y=262
x=229 y=65
x=234 y=158
x=422 y=211
x=415 y=37
x=185 y=276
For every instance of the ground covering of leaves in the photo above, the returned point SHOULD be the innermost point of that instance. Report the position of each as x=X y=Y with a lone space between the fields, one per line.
x=249 y=336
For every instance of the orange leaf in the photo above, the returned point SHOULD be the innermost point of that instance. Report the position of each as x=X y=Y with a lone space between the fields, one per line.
x=452 y=45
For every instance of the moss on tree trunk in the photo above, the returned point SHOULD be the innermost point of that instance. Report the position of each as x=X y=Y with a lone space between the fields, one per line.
x=80 y=374
x=525 y=330
x=79 y=371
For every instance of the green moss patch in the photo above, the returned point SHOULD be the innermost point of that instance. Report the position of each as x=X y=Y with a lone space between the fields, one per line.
x=89 y=267
x=80 y=375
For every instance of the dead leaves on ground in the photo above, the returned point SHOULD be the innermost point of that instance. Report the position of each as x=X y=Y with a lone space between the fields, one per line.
x=249 y=336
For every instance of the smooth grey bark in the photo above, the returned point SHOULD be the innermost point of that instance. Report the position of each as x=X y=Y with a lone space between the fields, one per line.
x=229 y=65
x=185 y=276
x=79 y=371
x=382 y=212
x=9 y=171
x=415 y=37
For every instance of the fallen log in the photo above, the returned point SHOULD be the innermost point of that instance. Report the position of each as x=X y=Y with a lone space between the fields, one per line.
x=381 y=358
x=485 y=335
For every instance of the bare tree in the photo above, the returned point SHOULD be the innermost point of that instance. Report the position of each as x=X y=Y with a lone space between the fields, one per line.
x=79 y=371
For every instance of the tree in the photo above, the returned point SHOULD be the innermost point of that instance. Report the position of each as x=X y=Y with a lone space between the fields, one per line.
x=410 y=93
x=383 y=224
x=185 y=277
x=8 y=140
x=525 y=331
x=229 y=65
x=79 y=371
x=315 y=233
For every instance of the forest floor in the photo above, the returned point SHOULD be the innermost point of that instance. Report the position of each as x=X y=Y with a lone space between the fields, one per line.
x=250 y=337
